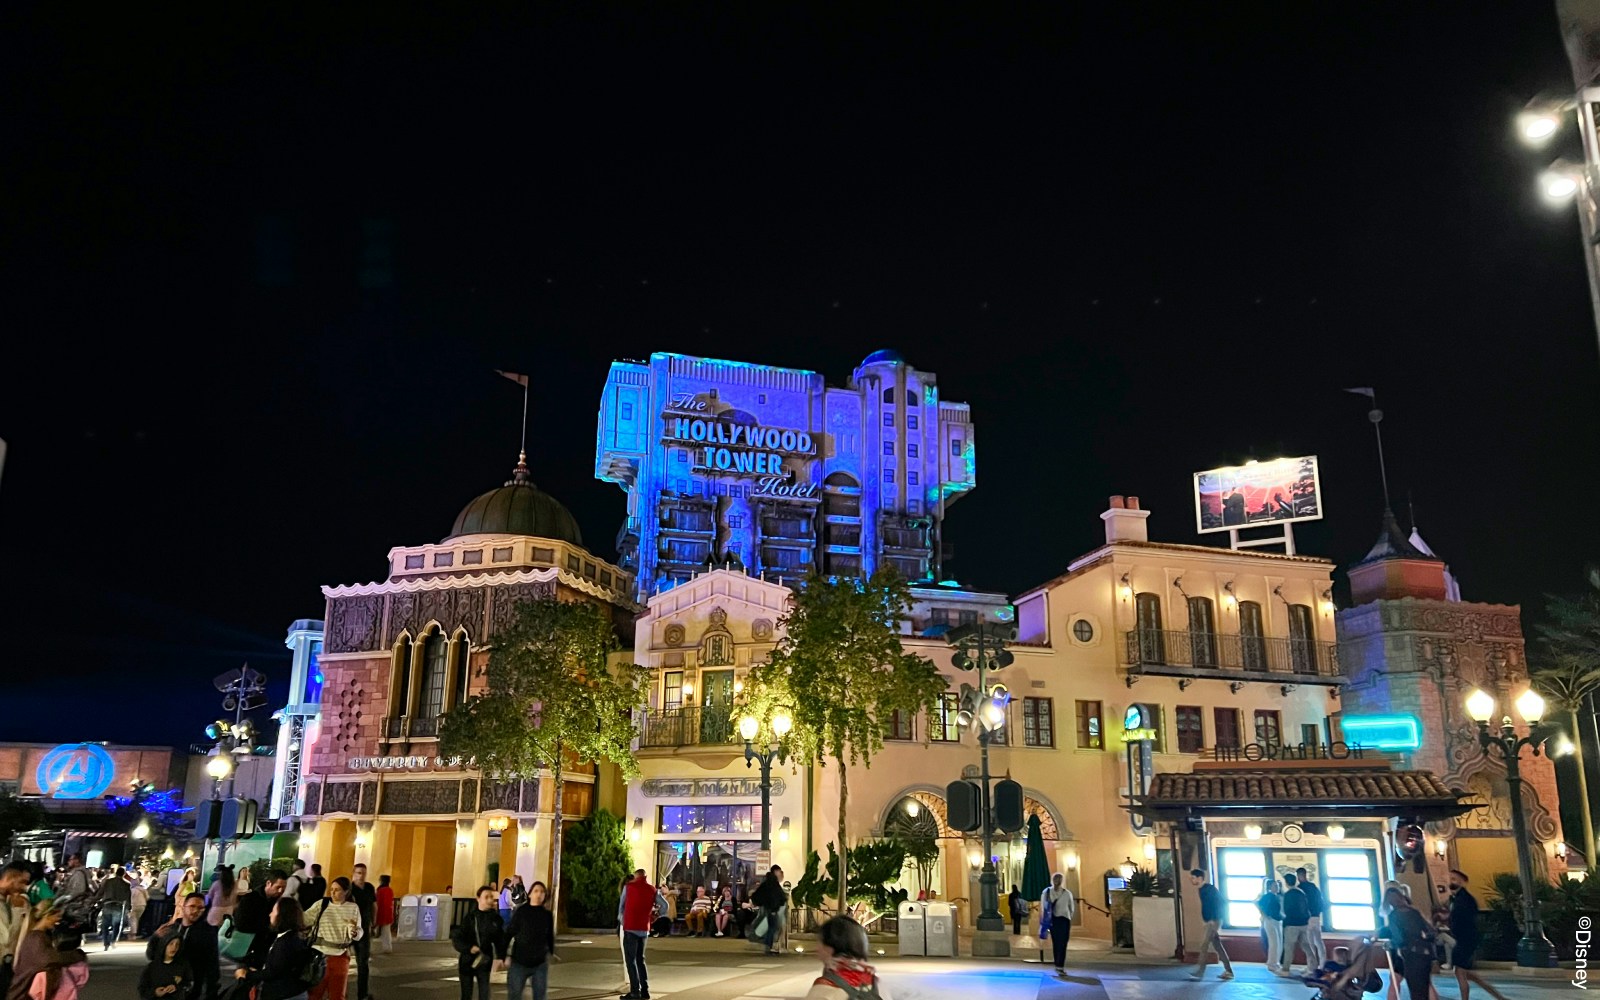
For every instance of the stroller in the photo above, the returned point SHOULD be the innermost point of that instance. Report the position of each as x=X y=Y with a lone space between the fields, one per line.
x=1360 y=977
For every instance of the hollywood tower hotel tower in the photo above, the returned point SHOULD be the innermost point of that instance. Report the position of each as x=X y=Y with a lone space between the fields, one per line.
x=773 y=471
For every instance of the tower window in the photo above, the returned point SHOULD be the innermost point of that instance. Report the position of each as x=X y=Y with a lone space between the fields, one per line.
x=888 y=419
x=911 y=421
x=888 y=446
x=627 y=411
x=911 y=478
x=888 y=395
x=911 y=449
x=888 y=475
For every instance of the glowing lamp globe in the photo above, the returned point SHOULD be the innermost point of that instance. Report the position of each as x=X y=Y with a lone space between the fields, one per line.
x=1480 y=705
x=748 y=727
x=781 y=724
x=219 y=767
x=1531 y=705
x=141 y=831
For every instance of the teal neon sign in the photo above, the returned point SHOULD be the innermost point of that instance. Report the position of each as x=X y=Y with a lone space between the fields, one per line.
x=1382 y=732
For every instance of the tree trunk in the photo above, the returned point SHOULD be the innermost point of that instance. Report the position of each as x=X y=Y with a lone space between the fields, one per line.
x=844 y=848
x=555 y=843
x=1589 y=859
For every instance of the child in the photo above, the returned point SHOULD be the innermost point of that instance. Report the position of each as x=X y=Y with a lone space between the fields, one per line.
x=1447 y=943
x=1328 y=974
x=169 y=977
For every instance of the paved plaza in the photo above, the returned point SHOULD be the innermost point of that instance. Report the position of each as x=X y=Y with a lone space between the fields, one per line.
x=697 y=969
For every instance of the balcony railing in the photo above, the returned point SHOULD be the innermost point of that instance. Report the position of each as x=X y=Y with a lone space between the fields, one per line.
x=683 y=727
x=1245 y=657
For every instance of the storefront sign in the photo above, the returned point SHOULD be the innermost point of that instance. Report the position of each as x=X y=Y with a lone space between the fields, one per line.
x=784 y=488
x=1337 y=750
x=1383 y=732
x=76 y=771
x=405 y=763
x=717 y=788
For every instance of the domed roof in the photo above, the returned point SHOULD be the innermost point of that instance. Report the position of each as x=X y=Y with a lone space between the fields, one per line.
x=883 y=357
x=517 y=508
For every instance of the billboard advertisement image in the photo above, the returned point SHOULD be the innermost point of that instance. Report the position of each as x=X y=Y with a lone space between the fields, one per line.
x=1257 y=493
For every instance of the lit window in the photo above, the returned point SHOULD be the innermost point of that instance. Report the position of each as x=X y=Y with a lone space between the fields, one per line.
x=1038 y=723
x=1090 y=736
x=1189 y=721
x=942 y=725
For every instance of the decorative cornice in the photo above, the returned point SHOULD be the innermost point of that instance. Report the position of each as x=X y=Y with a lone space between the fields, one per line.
x=500 y=578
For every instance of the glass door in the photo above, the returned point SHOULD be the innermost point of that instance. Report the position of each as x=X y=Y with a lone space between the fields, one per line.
x=716 y=706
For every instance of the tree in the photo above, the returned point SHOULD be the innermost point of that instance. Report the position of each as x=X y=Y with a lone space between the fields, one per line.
x=552 y=696
x=597 y=860
x=162 y=815
x=840 y=674
x=1570 y=678
x=18 y=815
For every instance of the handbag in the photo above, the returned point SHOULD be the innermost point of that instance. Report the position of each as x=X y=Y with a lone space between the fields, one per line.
x=232 y=942
x=758 y=927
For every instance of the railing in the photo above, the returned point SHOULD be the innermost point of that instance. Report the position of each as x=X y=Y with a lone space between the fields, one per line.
x=1172 y=651
x=411 y=727
x=682 y=727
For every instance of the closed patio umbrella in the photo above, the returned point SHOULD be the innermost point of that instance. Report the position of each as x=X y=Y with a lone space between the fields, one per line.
x=1035 y=874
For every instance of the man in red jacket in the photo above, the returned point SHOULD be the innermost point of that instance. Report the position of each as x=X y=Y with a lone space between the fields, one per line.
x=384 y=916
x=637 y=909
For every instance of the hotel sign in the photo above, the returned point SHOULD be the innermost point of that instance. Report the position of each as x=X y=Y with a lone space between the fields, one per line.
x=715 y=788
x=404 y=763
x=722 y=446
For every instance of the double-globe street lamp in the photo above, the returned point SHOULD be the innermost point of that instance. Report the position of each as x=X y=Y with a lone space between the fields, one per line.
x=980 y=646
x=1563 y=180
x=771 y=750
x=1534 y=949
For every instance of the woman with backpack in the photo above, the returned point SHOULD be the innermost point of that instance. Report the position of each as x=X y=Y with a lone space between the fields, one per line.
x=335 y=924
x=842 y=945
x=290 y=968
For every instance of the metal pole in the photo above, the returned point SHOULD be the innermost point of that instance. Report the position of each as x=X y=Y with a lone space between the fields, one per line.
x=766 y=801
x=989 y=918
x=1534 y=949
x=1587 y=203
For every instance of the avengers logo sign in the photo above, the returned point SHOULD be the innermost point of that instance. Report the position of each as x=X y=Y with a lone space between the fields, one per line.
x=76 y=771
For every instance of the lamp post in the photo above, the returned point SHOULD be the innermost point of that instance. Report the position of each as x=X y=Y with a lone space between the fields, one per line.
x=981 y=646
x=1534 y=950
x=1564 y=180
x=749 y=727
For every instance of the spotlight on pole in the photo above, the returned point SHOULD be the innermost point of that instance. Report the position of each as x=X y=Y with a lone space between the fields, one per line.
x=1560 y=181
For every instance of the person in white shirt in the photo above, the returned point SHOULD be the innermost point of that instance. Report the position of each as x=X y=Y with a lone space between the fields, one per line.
x=1057 y=907
x=297 y=878
x=14 y=879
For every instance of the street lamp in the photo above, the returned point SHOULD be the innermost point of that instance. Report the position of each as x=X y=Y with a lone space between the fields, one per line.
x=749 y=727
x=1534 y=950
x=1537 y=124
x=141 y=831
x=981 y=646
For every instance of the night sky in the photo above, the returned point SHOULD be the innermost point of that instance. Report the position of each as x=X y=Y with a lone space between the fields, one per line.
x=258 y=272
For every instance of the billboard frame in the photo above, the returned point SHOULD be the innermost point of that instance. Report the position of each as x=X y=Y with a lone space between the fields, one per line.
x=1284 y=522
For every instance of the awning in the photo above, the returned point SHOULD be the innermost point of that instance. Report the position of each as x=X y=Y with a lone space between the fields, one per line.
x=96 y=834
x=1372 y=791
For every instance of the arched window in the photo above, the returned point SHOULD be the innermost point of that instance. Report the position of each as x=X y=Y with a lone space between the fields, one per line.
x=1152 y=641
x=888 y=395
x=1203 y=631
x=1252 y=636
x=435 y=671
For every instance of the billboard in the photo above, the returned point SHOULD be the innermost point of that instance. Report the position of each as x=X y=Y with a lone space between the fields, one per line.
x=1257 y=493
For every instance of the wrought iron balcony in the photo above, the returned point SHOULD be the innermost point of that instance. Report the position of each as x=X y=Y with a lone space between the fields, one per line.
x=405 y=727
x=1171 y=653
x=425 y=727
x=685 y=727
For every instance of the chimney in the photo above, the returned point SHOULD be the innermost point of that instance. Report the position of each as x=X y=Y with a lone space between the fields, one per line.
x=1125 y=521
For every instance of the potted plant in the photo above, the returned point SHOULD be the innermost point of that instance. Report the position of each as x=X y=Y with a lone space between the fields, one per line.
x=1154 y=935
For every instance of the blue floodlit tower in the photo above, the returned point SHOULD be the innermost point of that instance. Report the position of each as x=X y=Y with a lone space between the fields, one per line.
x=298 y=716
x=772 y=470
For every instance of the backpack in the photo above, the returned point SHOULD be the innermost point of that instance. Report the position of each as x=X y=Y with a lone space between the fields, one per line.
x=868 y=992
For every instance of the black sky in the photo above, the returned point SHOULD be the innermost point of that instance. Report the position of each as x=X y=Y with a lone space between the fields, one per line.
x=258 y=271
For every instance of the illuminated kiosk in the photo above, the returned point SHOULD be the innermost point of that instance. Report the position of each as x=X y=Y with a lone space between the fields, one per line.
x=298 y=719
x=774 y=471
x=1249 y=813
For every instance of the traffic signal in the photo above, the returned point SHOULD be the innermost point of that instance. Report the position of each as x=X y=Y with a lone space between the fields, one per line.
x=963 y=806
x=215 y=730
x=1008 y=806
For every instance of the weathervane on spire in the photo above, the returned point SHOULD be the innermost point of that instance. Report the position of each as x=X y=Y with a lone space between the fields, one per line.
x=1376 y=416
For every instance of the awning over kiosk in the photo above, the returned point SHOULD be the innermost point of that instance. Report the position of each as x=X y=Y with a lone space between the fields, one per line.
x=1306 y=790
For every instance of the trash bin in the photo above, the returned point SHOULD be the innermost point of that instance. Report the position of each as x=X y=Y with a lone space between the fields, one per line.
x=940 y=928
x=912 y=934
x=430 y=915
x=405 y=918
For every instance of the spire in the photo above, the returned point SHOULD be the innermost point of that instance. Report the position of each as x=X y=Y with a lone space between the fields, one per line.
x=520 y=476
x=1393 y=543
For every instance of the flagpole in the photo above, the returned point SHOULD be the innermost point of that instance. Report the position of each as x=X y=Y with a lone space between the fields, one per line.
x=523 y=450
x=1376 y=416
